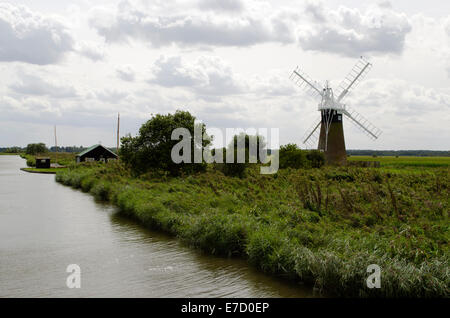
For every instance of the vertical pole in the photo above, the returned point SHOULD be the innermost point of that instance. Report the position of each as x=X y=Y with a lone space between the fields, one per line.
x=56 y=141
x=118 y=132
x=56 y=146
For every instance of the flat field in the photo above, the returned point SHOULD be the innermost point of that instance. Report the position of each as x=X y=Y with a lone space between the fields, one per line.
x=405 y=161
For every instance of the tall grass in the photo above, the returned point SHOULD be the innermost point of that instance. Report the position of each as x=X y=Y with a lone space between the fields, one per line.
x=322 y=227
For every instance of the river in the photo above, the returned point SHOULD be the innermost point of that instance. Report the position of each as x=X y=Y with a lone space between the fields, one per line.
x=45 y=226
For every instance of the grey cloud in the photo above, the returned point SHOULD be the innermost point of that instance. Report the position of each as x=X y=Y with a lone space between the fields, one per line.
x=206 y=76
x=170 y=72
x=385 y=4
x=111 y=96
x=126 y=73
x=130 y=22
x=222 y=5
x=447 y=26
x=29 y=37
x=315 y=10
x=350 y=32
x=30 y=84
x=92 y=52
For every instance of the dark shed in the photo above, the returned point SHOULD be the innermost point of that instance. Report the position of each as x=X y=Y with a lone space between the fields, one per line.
x=42 y=162
x=96 y=153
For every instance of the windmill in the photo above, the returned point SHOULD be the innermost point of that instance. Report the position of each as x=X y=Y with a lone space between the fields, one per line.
x=330 y=136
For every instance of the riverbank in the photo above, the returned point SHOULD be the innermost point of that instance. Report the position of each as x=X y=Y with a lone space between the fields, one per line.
x=43 y=170
x=321 y=227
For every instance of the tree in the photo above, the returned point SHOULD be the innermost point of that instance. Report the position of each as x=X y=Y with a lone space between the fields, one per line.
x=236 y=167
x=152 y=147
x=291 y=156
x=34 y=149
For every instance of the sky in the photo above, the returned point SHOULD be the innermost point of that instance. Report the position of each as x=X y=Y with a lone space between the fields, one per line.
x=76 y=64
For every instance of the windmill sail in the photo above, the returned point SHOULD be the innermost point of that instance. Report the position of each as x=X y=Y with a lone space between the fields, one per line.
x=356 y=75
x=305 y=82
x=359 y=121
x=311 y=136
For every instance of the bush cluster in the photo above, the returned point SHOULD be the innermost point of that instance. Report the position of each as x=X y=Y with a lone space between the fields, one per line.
x=291 y=156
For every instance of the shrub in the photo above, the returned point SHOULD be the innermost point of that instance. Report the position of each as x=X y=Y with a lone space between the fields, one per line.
x=291 y=156
x=100 y=191
x=237 y=169
x=31 y=162
x=316 y=157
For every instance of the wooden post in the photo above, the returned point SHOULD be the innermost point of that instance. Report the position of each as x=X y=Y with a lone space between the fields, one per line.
x=118 y=133
x=56 y=147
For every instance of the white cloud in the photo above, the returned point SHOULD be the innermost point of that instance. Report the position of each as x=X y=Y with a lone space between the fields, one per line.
x=206 y=76
x=30 y=37
x=111 y=96
x=131 y=21
x=30 y=84
x=351 y=32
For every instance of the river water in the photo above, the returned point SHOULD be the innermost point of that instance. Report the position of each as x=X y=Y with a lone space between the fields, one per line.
x=45 y=226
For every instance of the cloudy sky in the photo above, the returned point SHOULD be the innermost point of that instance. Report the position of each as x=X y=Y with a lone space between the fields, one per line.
x=76 y=64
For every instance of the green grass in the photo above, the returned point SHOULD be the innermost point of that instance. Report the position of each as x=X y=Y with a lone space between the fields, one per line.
x=43 y=170
x=406 y=161
x=9 y=154
x=322 y=227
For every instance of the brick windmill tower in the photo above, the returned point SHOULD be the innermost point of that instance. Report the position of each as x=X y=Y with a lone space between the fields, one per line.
x=330 y=136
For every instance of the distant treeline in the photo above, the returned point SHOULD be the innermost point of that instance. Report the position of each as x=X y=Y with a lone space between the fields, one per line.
x=67 y=149
x=12 y=149
x=70 y=149
x=74 y=149
x=417 y=153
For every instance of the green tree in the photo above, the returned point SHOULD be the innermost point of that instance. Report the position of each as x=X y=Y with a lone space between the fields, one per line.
x=152 y=147
x=291 y=156
x=236 y=168
x=34 y=149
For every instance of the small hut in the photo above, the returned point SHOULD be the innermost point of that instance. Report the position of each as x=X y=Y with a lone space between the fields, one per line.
x=42 y=162
x=96 y=153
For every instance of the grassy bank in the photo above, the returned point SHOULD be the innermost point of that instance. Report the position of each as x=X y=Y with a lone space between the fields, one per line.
x=322 y=227
x=62 y=158
x=44 y=170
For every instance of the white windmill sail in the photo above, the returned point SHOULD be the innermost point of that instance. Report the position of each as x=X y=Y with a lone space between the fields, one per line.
x=311 y=136
x=305 y=82
x=362 y=123
x=356 y=75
